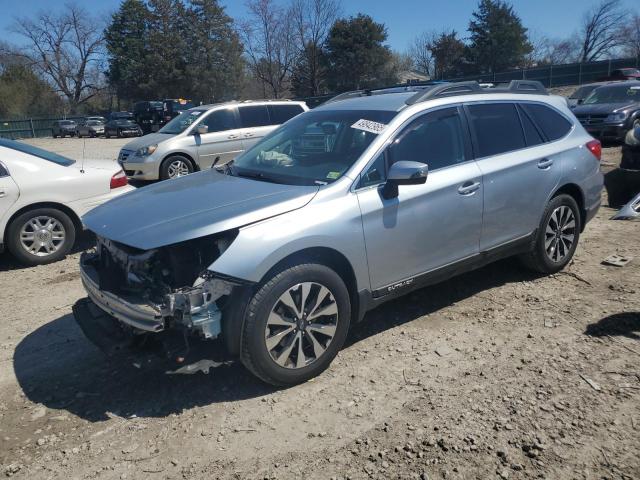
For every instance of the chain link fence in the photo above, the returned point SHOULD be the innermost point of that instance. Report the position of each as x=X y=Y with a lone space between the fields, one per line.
x=558 y=75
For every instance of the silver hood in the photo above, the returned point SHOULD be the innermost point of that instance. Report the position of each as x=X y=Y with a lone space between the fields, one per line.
x=190 y=207
x=146 y=140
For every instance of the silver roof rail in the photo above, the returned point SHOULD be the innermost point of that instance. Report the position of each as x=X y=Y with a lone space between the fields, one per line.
x=532 y=87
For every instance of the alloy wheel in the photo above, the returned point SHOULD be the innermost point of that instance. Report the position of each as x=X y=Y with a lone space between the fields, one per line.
x=560 y=234
x=301 y=325
x=42 y=236
x=178 y=168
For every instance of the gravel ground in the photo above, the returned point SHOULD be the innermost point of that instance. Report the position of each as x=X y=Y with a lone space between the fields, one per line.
x=495 y=374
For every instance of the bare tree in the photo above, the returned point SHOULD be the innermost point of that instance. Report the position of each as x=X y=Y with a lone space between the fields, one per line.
x=313 y=20
x=66 y=49
x=268 y=37
x=631 y=36
x=420 y=51
x=601 y=30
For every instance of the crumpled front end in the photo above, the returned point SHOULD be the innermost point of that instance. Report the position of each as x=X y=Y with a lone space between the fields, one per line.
x=151 y=291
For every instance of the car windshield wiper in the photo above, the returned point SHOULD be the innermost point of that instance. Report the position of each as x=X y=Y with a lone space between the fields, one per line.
x=257 y=176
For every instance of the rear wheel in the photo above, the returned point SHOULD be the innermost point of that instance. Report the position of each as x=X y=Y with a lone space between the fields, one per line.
x=295 y=324
x=40 y=236
x=175 y=166
x=557 y=236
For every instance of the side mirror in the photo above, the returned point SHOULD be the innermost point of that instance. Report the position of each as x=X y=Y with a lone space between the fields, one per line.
x=404 y=173
x=202 y=129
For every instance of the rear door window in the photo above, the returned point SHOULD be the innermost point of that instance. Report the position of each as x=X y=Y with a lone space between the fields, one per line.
x=282 y=113
x=254 y=116
x=496 y=127
x=553 y=125
x=221 y=120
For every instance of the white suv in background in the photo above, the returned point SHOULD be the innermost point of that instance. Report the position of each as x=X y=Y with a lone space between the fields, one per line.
x=203 y=136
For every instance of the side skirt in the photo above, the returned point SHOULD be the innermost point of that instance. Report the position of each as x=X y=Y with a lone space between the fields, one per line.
x=369 y=300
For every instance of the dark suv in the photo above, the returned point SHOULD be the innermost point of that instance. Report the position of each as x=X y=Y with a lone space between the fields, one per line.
x=149 y=115
x=610 y=111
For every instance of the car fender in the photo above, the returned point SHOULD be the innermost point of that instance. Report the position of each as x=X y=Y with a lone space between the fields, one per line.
x=331 y=224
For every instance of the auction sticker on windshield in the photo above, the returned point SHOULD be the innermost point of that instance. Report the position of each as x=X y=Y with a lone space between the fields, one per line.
x=369 y=126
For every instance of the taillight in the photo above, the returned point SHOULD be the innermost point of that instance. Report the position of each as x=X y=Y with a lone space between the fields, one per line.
x=595 y=147
x=118 y=180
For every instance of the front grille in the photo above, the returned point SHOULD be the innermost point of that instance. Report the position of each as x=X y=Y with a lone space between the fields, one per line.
x=124 y=154
x=594 y=119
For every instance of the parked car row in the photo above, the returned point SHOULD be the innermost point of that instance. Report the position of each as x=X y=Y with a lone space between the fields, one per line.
x=120 y=124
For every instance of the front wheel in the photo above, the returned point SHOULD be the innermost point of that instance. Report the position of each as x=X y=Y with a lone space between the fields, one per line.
x=295 y=324
x=40 y=236
x=557 y=236
x=175 y=166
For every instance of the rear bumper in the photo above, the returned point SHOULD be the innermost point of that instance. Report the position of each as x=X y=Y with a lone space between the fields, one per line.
x=82 y=207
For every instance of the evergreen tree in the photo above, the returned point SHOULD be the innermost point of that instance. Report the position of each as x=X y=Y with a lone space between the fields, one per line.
x=448 y=54
x=126 y=40
x=356 y=53
x=215 y=66
x=498 y=40
x=168 y=49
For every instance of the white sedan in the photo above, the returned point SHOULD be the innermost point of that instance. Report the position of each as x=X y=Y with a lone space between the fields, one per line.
x=43 y=196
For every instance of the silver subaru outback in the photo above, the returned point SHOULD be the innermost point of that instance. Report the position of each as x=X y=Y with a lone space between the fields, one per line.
x=342 y=208
x=202 y=136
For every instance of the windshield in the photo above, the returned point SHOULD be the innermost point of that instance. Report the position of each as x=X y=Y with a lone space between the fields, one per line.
x=181 y=122
x=582 y=92
x=614 y=94
x=37 y=152
x=67 y=122
x=314 y=148
x=124 y=122
x=94 y=123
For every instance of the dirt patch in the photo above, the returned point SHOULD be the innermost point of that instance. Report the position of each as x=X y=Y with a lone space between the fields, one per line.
x=495 y=374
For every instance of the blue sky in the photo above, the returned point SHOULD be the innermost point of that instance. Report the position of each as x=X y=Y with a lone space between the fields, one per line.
x=404 y=18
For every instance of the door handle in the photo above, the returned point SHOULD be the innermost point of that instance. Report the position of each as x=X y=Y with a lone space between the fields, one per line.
x=468 y=188
x=3 y=193
x=248 y=134
x=545 y=163
x=231 y=137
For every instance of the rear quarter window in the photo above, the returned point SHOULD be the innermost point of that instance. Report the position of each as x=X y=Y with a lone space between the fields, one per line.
x=497 y=128
x=254 y=116
x=553 y=125
x=281 y=113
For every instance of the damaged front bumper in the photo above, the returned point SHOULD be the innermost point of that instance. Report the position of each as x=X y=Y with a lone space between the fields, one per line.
x=190 y=308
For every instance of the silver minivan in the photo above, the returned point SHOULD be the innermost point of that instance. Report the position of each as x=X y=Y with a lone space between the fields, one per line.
x=202 y=136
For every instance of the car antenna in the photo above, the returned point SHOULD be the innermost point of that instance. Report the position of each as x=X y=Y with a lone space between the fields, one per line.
x=84 y=146
x=215 y=162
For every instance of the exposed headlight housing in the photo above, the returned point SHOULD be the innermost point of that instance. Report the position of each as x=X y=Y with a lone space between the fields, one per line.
x=146 y=151
x=617 y=117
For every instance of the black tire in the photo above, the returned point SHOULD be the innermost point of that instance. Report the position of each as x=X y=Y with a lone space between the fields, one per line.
x=27 y=258
x=164 y=167
x=106 y=135
x=119 y=133
x=253 y=350
x=55 y=136
x=538 y=258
